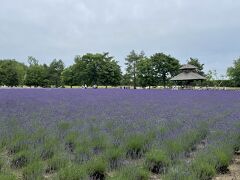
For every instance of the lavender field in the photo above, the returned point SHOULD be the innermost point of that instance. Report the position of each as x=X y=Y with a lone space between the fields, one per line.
x=117 y=134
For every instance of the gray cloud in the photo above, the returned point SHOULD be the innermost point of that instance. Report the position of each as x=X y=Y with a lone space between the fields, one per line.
x=47 y=29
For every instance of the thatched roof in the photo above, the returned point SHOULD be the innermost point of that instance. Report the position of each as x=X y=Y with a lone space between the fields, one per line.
x=188 y=76
x=188 y=66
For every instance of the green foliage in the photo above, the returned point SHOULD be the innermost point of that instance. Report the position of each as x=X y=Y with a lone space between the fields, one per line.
x=12 y=72
x=54 y=72
x=1 y=164
x=195 y=62
x=157 y=161
x=21 y=159
x=135 y=146
x=234 y=72
x=97 y=168
x=222 y=157
x=7 y=177
x=33 y=170
x=56 y=163
x=132 y=61
x=203 y=169
x=113 y=155
x=96 y=69
x=18 y=142
x=82 y=152
x=49 y=148
x=145 y=73
x=132 y=173
x=173 y=148
x=70 y=140
x=180 y=172
x=164 y=66
x=67 y=76
x=36 y=75
x=73 y=172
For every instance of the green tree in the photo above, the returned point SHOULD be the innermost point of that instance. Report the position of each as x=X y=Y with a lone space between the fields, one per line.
x=12 y=72
x=234 y=72
x=55 y=70
x=132 y=61
x=164 y=67
x=145 y=73
x=195 y=62
x=96 y=69
x=35 y=74
x=68 y=76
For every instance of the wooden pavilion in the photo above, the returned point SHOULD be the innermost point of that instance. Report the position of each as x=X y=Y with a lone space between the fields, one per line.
x=188 y=75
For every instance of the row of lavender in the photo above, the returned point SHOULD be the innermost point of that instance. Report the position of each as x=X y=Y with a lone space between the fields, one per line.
x=74 y=134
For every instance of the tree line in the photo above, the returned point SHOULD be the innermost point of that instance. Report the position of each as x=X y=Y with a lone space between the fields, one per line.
x=101 y=69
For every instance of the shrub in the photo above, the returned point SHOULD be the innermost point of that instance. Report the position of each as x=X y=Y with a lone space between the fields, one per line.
x=180 y=172
x=203 y=169
x=18 y=143
x=33 y=171
x=1 y=164
x=157 y=161
x=97 y=168
x=55 y=164
x=173 y=148
x=21 y=159
x=82 y=153
x=113 y=155
x=99 y=143
x=7 y=177
x=135 y=146
x=222 y=157
x=70 y=140
x=50 y=146
x=73 y=172
x=132 y=173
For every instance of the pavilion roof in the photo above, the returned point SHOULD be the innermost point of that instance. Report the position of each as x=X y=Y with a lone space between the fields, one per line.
x=188 y=66
x=187 y=76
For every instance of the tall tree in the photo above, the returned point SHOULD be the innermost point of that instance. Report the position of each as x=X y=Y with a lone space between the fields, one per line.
x=35 y=74
x=145 y=73
x=132 y=61
x=196 y=62
x=164 y=67
x=68 y=76
x=234 y=72
x=55 y=70
x=12 y=72
x=96 y=69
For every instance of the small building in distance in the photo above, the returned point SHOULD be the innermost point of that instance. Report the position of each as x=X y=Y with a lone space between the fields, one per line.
x=188 y=75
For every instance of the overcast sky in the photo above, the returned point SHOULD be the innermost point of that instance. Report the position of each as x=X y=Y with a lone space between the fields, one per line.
x=47 y=29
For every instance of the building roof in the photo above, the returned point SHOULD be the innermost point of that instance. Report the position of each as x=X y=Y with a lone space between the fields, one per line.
x=188 y=66
x=187 y=76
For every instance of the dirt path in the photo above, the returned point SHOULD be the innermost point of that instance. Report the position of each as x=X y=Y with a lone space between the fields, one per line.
x=234 y=170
